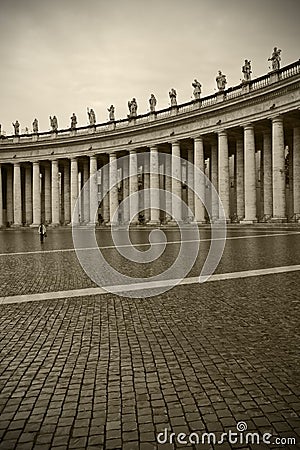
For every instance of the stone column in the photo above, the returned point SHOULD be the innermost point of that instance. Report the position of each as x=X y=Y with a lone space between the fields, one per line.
x=67 y=199
x=125 y=190
x=74 y=189
x=113 y=188
x=199 y=180
x=249 y=175
x=28 y=195
x=176 y=182
x=93 y=194
x=105 y=188
x=146 y=186
x=267 y=176
x=223 y=171
x=85 y=212
x=1 y=199
x=278 y=170
x=54 y=193
x=190 y=182
x=168 y=188
x=36 y=194
x=17 y=195
x=296 y=173
x=47 y=187
x=240 y=199
x=214 y=180
x=154 y=184
x=9 y=196
x=133 y=186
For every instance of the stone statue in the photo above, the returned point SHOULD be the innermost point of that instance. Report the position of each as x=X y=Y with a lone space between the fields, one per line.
x=111 y=111
x=16 y=126
x=53 y=123
x=197 y=89
x=221 y=81
x=173 y=95
x=275 y=58
x=132 y=108
x=152 y=102
x=92 y=116
x=73 y=122
x=35 y=126
x=246 y=70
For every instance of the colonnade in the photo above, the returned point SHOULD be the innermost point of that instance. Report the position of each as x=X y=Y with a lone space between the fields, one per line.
x=255 y=168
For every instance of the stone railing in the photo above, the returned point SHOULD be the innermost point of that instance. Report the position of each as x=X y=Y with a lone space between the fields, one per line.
x=185 y=108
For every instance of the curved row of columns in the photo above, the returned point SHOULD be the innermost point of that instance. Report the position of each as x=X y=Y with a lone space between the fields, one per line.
x=21 y=197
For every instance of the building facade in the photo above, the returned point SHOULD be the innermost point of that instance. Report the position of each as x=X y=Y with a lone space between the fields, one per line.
x=246 y=139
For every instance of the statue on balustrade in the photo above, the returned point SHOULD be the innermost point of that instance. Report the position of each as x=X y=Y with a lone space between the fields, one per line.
x=92 y=116
x=111 y=111
x=73 y=122
x=173 y=97
x=152 y=102
x=221 y=81
x=132 y=105
x=275 y=58
x=53 y=123
x=246 y=70
x=35 y=126
x=16 y=126
x=197 y=89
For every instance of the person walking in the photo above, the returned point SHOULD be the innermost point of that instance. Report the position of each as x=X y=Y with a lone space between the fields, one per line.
x=42 y=232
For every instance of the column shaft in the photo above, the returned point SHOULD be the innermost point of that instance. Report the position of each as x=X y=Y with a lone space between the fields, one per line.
x=223 y=172
x=249 y=174
x=36 y=194
x=190 y=183
x=146 y=170
x=176 y=182
x=105 y=192
x=240 y=199
x=1 y=200
x=17 y=195
x=93 y=193
x=154 y=184
x=113 y=189
x=199 y=180
x=67 y=198
x=48 y=203
x=85 y=213
x=28 y=195
x=133 y=186
x=267 y=175
x=296 y=173
x=74 y=190
x=214 y=181
x=54 y=193
x=278 y=169
x=9 y=196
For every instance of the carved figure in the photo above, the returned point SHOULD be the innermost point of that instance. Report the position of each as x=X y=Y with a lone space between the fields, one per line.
x=152 y=102
x=221 y=81
x=197 y=89
x=132 y=105
x=53 y=123
x=92 y=116
x=35 y=126
x=173 y=95
x=16 y=126
x=275 y=58
x=111 y=111
x=246 y=70
x=73 y=121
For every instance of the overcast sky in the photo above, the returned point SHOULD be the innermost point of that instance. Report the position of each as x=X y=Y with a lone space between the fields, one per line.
x=62 y=56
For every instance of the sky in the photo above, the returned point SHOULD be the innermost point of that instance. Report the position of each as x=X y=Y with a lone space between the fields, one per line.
x=62 y=56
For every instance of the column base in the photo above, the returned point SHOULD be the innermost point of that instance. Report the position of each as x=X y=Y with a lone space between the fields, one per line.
x=112 y=224
x=16 y=225
x=248 y=221
x=34 y=225
x=153 y=223
x=53 y=224
x=278 y=219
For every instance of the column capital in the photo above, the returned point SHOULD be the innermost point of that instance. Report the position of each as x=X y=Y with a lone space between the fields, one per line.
x=154 y=148
x=17 y=163
x=54 y=161
x=35 y=163
x=174 y=143
x=277 y=119
x=248 y=126
x=112 y=155
x=93 y=156
x=132 y=152
x=198 y=139
x=222 y=133
x=73 y=159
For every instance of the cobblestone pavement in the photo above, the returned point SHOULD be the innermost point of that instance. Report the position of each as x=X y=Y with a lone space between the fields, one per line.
x=105 y=372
